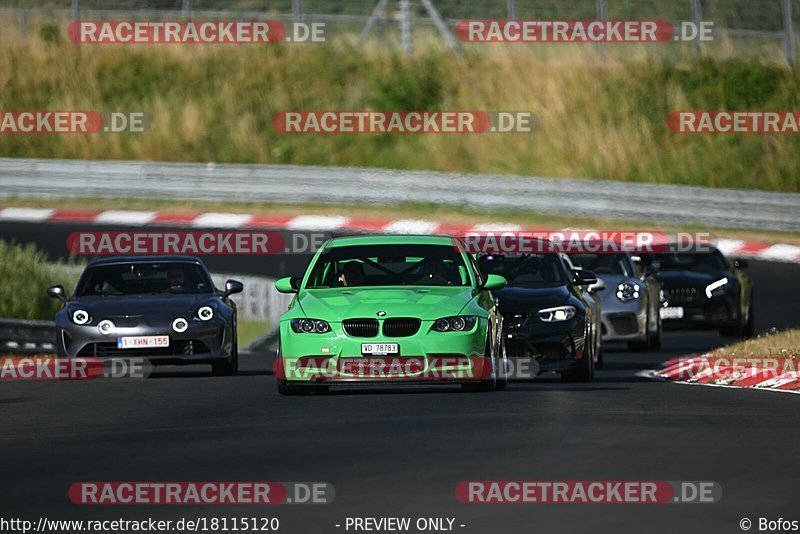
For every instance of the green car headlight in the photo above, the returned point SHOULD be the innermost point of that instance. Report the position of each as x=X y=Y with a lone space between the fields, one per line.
x=310 y=326
x=459 y=323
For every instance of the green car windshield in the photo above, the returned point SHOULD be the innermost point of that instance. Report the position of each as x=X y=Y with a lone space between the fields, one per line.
x=389 y=265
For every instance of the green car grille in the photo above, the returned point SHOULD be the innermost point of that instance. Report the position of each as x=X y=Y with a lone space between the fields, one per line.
x=395 y=327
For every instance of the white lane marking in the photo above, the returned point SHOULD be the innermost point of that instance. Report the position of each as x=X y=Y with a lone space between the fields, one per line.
x=125 y=217
x=221 y=220
x=317 y=222
x=729 y=246
x=26 y=214
x=411 y=226
x=497 y=227
x=780 y=252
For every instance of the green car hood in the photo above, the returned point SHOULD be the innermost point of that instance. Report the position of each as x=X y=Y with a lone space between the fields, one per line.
x=423 y=302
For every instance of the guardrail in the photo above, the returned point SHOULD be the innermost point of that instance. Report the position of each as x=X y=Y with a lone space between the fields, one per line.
x=259 y=301
x=293 y=184
x=27 y=337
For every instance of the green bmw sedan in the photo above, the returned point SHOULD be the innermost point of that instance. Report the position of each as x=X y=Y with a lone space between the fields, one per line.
x=391 y=309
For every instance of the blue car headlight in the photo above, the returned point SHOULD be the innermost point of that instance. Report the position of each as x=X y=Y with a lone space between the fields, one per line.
x=80 y=317
x=206 y=313
x=458 y=323
x=310 y=326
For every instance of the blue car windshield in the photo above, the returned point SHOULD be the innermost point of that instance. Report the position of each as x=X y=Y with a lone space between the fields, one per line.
x=143 y=279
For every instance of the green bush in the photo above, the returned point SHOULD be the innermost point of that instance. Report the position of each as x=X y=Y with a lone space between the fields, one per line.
x=50 y=33
x=26 y=275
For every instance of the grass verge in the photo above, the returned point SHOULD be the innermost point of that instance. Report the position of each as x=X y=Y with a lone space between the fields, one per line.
x=595 y=120
x=250 y=330
x=784 y=344
x=26 y=273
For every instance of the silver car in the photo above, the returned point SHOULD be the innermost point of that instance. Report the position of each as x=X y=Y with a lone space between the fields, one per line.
x=630 y=297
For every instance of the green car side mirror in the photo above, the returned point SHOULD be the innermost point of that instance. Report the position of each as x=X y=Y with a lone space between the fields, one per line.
x=494 y=282
x=284 y=285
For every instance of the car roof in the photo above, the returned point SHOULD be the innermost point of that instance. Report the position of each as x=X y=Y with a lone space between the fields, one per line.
x=390 y=239
x=167 y=258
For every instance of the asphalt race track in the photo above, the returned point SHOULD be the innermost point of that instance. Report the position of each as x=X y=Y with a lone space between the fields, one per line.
x=401 y=452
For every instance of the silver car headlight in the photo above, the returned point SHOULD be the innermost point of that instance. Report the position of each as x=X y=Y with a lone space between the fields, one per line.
x=81 y=317
x=716 y=288
x=105 y=327
x=180 y=325
x=559 y=313
x=206 y=313
x=628 y=291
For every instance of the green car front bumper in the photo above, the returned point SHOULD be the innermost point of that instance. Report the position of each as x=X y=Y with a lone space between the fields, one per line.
x=428 y=355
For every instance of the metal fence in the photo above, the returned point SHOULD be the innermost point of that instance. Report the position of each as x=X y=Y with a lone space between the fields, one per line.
x=741 y=27
x=26 y=337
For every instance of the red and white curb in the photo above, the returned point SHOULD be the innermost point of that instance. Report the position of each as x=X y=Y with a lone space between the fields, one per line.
x=330 y=223
x=710 y=370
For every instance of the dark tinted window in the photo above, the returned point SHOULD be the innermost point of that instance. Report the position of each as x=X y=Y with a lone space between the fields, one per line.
x=525 y=270
x=144 y=278
x=603 y=263
x=709 y=262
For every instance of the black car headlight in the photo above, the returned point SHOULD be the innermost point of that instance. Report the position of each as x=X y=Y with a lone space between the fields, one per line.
x=310 y=326
x=458 y=323
x=717 y=288
x=556 y=314
x=81 y=317
x=206 y=313
x=628 y=291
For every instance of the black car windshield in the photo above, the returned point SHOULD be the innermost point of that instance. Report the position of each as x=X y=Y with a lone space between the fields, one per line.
x=603 y=263
x=389 y=265
x=143 y=278
x=707 y=262
x=525 y=270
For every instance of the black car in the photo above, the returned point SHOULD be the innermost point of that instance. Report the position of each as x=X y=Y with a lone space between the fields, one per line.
x=161 y=308
x=705 y=290
x=547 y=315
